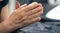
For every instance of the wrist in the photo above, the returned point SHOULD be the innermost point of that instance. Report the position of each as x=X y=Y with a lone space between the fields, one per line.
x=5 y=27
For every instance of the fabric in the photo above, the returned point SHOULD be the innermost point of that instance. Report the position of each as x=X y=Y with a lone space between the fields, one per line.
x=2 y=4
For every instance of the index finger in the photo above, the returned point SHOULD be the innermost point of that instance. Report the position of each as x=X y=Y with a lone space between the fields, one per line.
x=30 y=6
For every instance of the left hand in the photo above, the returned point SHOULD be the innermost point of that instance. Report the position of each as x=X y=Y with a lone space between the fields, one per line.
x=4 y=13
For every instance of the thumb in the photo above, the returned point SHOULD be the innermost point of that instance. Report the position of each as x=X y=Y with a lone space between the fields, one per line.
x=17 y=4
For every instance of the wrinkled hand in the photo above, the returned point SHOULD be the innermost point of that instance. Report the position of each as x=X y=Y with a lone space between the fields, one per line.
x=23 y=16
x=4 y=13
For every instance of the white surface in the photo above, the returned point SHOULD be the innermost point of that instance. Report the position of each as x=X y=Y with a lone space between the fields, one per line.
x=54 y=13
x=54 y=2
x=11 y=6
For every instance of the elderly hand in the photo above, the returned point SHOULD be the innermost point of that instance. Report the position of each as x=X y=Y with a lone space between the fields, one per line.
x=22 y=16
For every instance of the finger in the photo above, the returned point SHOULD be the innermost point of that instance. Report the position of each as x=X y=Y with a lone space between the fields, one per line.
x=38 y=9
x=21 y=20
x=34 y=20
x=31 y=6
x=17 y=4
x=30 y=17
x=35 y=15
x=23 y=5
x=28 y=22
x=19 y=9
x=26 y=8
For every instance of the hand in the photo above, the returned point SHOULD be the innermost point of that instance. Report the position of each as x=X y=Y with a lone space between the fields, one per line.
x=23 y=16
x=4 y=13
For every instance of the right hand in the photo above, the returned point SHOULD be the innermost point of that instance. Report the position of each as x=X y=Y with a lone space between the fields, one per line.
x=23 y=16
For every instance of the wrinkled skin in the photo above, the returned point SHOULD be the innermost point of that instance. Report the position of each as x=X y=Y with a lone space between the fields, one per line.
x=22 y=16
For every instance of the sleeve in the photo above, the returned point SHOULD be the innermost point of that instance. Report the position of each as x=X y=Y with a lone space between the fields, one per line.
x=2 y=4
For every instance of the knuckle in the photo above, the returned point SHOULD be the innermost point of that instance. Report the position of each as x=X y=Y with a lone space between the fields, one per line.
x=35 y=3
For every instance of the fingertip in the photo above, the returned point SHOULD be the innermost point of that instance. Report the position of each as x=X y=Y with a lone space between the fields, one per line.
x=17 y=4
x=34 y=3
x=25 y=4
x=38 y=19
